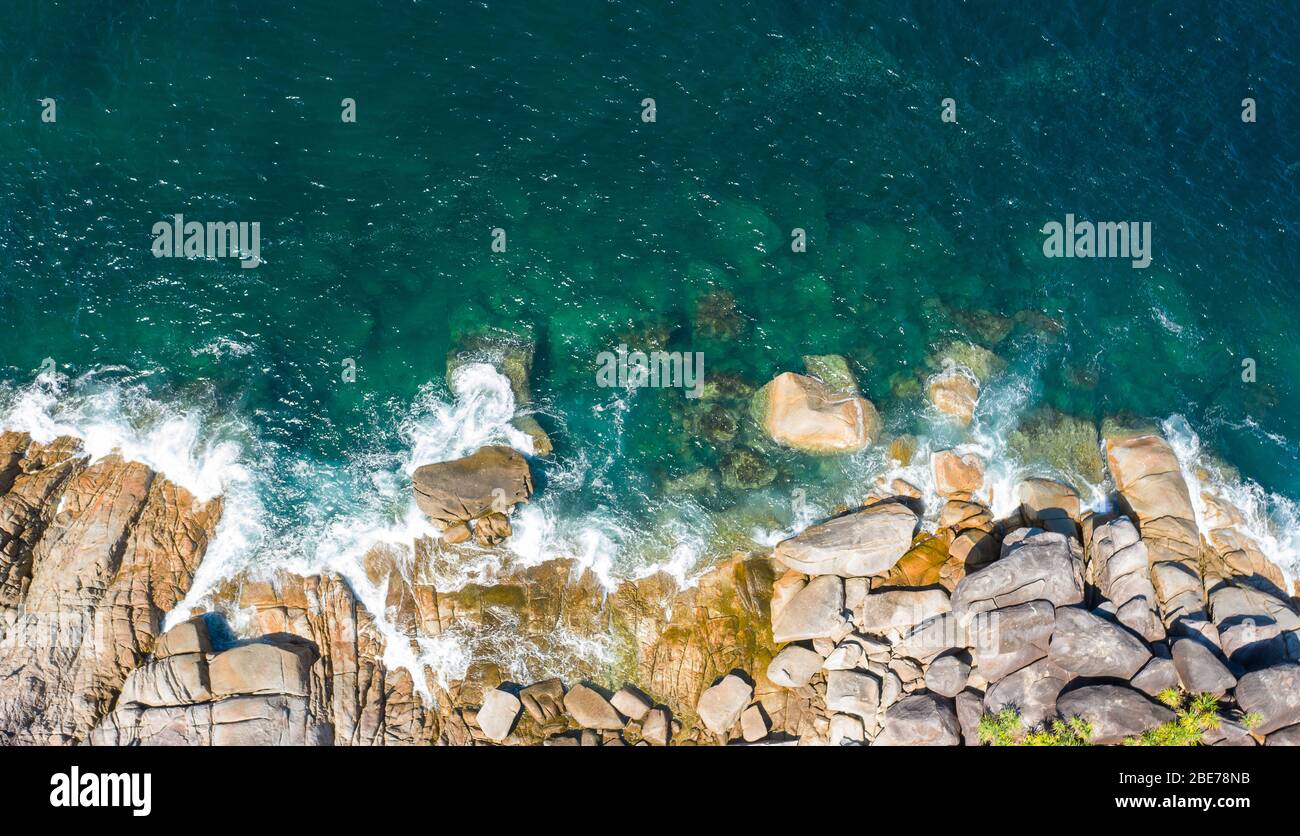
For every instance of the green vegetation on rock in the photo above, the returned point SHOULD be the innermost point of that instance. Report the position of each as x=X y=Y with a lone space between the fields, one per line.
x=1195 y=715
x=1006 y=728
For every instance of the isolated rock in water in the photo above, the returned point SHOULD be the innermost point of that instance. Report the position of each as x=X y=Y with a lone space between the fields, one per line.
x=1087 y=645
x=954 y=392
x=544 y=701
x=1199 y=668
x=899 y=609
x=262 y=668
x=794 y=666
x=494 y=478
x=804 y=413
x=590 y=709
x=816 y=611
x=920 y=720
x=1038 y=566
x=1122 y=570
x=853 y=692
x=1273 y=694
x=1115 y=712
x=1006 y=640
x=862 y=543
x=720 y=706
x=957 y=475
x=947 y=675
x=497 y=715
x=1032 y=691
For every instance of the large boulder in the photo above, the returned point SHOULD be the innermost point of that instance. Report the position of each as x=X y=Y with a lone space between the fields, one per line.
x=814 y=612
x=863 y=543
x=794 y=666
x=1036 y=566
x=1032 y=691
x=1050 y=505
x=1200 y=669
x=262 y=668
x=1256 y=629
x=956 y=475
x=1006 y=640
x=947 y=675
x=1152 y=490
x=853 y=692
x=954 y=392
x=720 y=706
x=1272 y=693
x=920 y=720
x=497 y=715
x=899 y=609
x=589 y=708
x=806 y=414
x=493 y=479
x=1087 y=645
x=1115 y=713
x=180 y=679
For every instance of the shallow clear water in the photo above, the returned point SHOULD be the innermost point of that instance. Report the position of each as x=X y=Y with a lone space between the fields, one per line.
x=376 y=239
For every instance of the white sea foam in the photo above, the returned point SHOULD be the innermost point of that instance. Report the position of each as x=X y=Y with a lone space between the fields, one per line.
x=1271 y=520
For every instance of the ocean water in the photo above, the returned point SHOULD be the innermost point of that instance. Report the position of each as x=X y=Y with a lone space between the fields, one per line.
x=376 y=248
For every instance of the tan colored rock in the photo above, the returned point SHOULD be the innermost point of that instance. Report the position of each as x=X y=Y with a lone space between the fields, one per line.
x=589 y=708
x=957 y=476
x=1153 y=492
x=262 y=668
x=120 y=552
x=954 y=392
x=804 y=413
x=493 y=479
x=862 y=543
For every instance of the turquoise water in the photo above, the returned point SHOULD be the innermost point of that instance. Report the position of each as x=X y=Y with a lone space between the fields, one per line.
x=376 y=236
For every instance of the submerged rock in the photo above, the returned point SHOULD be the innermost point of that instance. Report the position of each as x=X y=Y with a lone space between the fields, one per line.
x=954 y=392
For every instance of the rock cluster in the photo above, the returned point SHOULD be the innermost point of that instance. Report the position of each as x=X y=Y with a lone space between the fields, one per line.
x=862 y=629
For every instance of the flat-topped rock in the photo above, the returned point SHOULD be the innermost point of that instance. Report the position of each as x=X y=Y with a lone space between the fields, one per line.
x=589 y=708
x=492 y=479
x=862 y=543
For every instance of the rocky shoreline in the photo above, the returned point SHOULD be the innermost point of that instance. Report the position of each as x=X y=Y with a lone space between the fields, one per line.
x=869 y=627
